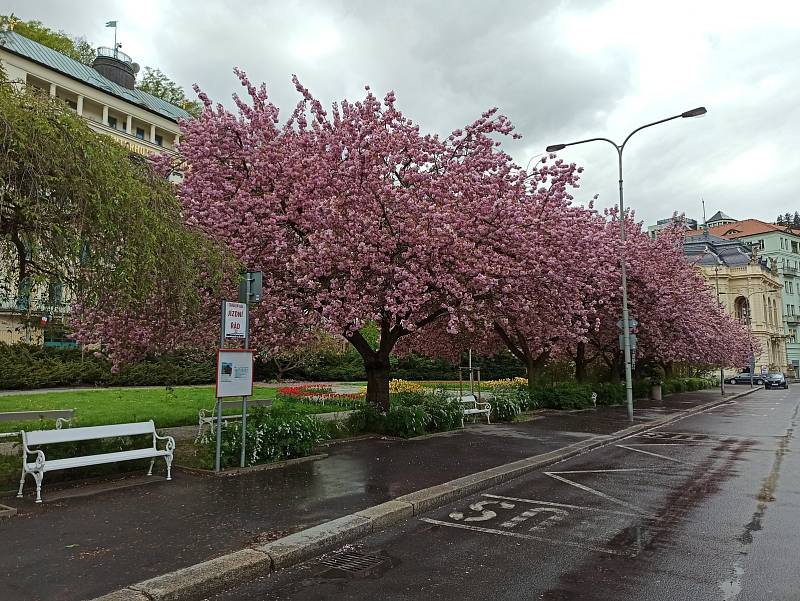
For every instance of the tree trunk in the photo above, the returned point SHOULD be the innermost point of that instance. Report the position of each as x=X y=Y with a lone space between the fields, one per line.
x=377 y=369
x=534 y=367
x=580 y=362
x=616 y=365
x=376 y=364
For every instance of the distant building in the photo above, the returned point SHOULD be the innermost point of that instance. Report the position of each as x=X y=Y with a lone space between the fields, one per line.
x=653 y=230
x=782 y=245
x=105 y=96
x=719 y=218
x=749 y=288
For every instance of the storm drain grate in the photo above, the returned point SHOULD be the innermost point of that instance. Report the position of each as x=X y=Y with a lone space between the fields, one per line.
x=352 y=562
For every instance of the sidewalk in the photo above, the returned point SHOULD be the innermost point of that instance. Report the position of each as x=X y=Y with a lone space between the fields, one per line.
x=79 y=547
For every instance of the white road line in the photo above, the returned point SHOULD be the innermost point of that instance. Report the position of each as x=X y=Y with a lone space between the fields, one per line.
x=611 y=469
x=598 y=493
x=564 y=505
x=524 y=536
x=665 y=457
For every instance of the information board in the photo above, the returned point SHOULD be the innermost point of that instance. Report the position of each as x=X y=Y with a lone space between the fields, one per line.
x=234 y=373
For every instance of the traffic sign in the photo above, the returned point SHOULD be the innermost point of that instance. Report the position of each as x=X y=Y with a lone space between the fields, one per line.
x=622 y=341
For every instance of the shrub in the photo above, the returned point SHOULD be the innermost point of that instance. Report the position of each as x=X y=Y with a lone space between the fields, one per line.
x=444 y=412
x=563 y=396
x=406 y=422
x=504 y=409
x=269 y=438
x=366 y=419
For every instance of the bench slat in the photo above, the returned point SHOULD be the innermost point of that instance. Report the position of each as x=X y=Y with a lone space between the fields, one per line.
x=237 y=404
x=38 y=437
x=52 y=465
x=22 y=416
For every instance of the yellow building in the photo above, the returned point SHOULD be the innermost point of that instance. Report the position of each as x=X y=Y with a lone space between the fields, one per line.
x=749 y=288
x=104 y=95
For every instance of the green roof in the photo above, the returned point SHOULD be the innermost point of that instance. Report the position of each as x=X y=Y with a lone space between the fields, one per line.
x=36 y=52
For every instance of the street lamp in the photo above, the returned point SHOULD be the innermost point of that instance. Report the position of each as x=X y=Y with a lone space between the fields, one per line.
x=696 y=112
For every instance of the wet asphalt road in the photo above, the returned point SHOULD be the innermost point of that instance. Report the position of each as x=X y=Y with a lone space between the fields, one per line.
x=707 y=508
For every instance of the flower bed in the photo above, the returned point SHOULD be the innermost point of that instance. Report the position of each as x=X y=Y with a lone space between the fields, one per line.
x=315 y=393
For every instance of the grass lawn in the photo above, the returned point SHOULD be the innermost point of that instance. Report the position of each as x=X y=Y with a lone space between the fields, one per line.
x=166 y=407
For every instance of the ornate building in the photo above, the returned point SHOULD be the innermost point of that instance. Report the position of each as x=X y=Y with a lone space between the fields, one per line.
x=103 y=94
x=748 y=287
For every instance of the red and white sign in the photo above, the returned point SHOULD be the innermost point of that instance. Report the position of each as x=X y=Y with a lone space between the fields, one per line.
x=235 y=320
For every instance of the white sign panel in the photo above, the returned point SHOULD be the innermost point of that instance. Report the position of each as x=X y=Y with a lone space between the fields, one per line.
x=234 y=373
x=235 y=320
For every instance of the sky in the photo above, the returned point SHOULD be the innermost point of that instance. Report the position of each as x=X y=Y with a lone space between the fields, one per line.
x=560 y=70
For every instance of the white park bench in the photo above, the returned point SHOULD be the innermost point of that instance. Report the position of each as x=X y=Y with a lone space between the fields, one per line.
x=208 y=417
x=62 y=416
x=471 y=406
x=41 y=464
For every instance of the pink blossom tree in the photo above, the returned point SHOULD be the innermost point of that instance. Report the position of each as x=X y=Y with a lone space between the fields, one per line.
x=356 y=216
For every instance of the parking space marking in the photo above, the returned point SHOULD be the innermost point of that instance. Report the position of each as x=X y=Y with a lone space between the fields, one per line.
x=524 y=536
x=665 y=457
x=564 y=505
x=596 y=492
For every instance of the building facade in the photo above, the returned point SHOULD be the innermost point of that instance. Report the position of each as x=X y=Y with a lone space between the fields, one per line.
x=654 y=230
x=105 y=96
x=719 y=218
x=749 y=288
x=781 y=245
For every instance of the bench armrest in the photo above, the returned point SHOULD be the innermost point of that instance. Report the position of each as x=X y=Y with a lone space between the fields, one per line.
x=170 y=441
x=483 y=406
x=39 y=457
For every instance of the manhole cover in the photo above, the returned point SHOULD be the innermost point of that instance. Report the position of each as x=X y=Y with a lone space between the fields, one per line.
x=352 y=562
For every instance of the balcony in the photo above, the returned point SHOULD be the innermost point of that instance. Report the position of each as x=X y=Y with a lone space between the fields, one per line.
x=792 y=319
x=132 y=143
x=790 y=271
x=36 y=305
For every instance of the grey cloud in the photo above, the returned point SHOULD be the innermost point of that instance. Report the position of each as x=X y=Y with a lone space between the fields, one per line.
x=450 y=61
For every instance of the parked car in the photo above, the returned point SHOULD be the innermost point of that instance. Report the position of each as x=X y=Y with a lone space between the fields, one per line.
x=776 y=380
x=744 y=378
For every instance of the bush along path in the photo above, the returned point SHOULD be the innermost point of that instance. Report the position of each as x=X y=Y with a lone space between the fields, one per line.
x=193 y=518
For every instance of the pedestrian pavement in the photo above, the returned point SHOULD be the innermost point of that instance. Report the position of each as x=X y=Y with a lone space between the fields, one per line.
x=78 y=545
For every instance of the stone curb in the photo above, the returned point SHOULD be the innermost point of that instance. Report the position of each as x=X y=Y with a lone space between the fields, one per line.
x=243 y=471
x=216 y=574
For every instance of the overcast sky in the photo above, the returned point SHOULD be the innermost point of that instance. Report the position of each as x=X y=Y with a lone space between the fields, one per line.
x=561 y=70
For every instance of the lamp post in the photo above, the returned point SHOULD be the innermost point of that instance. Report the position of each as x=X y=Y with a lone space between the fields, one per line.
x=721 y=369
x=696 y=112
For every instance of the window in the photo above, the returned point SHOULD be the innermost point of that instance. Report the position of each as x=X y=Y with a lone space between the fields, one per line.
x=140 y=133
x=159 y=140
x=792 y=335
x=112 y=122
x=71 y=104
x=794 y=246
x=781 y=243
x=24 y=294
x=55 y=292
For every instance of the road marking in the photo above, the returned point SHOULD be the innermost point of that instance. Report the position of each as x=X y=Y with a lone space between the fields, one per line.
x=556 y=516
x=597 y=492
x=524 y=536
x=622 y=446
x=611 y=469
x=486 y=514
x=564 y=505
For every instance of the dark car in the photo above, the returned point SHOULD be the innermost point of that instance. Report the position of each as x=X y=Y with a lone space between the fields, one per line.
x=776 y=381
x=744 y=378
